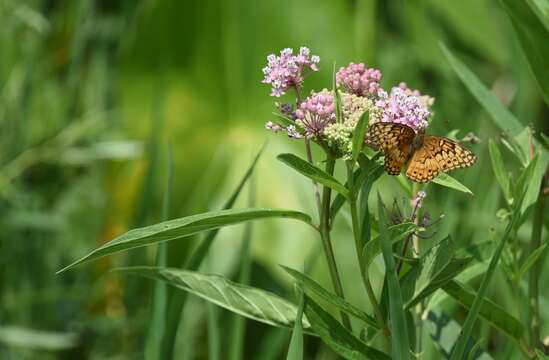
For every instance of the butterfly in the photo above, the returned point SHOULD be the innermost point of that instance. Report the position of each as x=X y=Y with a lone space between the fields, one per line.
x=425 y=155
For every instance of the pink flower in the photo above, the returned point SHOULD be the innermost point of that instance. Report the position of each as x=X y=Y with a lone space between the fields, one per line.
x=286 y=71
x=359 y=80
x=316 y=112
x=402 y=108
x=418 y=200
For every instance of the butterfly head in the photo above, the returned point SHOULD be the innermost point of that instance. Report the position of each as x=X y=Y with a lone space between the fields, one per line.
x=417 y=142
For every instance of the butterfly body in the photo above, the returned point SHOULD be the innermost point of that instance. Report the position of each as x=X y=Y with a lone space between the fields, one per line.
x=424 y=156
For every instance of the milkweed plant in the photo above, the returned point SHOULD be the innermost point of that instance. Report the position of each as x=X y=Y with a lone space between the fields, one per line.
x=404 y=312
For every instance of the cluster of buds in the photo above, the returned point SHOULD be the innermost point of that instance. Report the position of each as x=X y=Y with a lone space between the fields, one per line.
x=287 y=70
x=360 y=92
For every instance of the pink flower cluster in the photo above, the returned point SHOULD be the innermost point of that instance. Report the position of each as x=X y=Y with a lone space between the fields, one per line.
x=286 y=71
x=316 y=112
x=402 y=108
x=359 y=80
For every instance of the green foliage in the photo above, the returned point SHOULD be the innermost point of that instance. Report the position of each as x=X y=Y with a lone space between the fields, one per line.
x=399 y=329
x=247 y=301
x=91 y=91
x=184 y=227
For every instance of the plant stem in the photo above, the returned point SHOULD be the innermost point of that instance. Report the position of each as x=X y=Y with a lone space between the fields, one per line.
x=326 y=242
x=416 y=254
x=359 y=246
x=535 y=270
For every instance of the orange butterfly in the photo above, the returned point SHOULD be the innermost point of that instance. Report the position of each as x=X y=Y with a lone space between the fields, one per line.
x=425 y=155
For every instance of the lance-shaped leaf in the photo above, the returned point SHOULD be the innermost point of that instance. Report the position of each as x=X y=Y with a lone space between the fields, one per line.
x=309 y=284
x=337 y=337
x=248 y=301
x=499 y=170
x=183 y=227
x=359 y=134
x=397 y=232
x=532 y=34
x=489 y=310
x=503 y=118
x=400 y=348
x=459 y=349
x=444 y=331
x=450 y=182
x=312 y=172
x=295 y=350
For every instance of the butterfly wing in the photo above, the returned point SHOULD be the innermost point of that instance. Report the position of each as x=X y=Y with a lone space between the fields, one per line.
x=395 y=142
x=435 y=155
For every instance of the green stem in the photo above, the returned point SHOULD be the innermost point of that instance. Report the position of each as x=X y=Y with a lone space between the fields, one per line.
x=359 y=246
x=534 y=273
x=326 y=242
x=416 y=254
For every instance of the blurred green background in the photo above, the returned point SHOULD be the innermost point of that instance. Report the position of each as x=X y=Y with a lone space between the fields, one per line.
x=93 y=92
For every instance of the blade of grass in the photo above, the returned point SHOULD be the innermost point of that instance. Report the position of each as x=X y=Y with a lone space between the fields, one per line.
x=400 y=345
x=159 y=304
x=531 y=33
x=179 y=299
x=459 y=349
x=295 y=351
x=499 y=113
x=337 y=337
x=238 y=325
x=489 y=310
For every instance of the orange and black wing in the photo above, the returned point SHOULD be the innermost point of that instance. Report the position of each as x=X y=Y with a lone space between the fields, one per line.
x=394 y=140
x=435 y=155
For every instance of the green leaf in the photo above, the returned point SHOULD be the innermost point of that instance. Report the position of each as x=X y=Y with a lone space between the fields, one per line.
x=459 y=349
x=179 y=299
x=534 y=182
x=448 y=181
x=450 y=271
x=359 y=134
x=183 y=227
x=397 y=232
x=253 y=303
x=313 y=173
x=238 y=323
x=159 y=303
x=444 y=332
x=337 y=98
x=295 y=351
x=489 y=310
x=309 y=284
x=531 y=260
x=499 y=171
x=503 y=118
x=532 y=35
x=337 y=337
x=400 y=348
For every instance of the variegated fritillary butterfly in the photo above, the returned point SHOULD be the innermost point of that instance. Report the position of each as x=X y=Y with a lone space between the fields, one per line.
x=425 y=155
